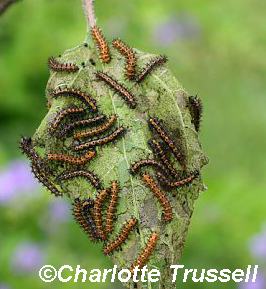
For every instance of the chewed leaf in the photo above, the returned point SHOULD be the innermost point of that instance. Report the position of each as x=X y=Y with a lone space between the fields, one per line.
x=124 y=112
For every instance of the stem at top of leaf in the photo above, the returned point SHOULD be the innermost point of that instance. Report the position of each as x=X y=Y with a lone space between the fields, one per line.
x=89 y=12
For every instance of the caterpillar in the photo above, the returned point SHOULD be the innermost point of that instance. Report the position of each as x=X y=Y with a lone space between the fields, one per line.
x=82 y=215
x=26 y=147
x=180 y=182
x=98 y=215
x=90 y=176
x=57 y=66
x=67 y=129
x=118 y=88
x=163 y=158
x=71 y=159
x=100 y=141
x=196 y=108
x=63 y=114
x=130 y=56
x=145 y=254
x=41 y=177
x=77 y=93
x=111 y=207
x=134 y=168
x=101 y=44
x=123 y=235
x=150 y=182
x=96 y=131
x=155 y=124
x=150 y=66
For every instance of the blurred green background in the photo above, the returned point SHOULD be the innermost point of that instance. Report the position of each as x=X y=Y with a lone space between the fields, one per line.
x=216 y=50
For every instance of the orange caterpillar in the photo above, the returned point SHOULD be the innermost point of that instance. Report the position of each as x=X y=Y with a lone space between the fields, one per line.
x=70 y=159
x=77 y=93
x=111 y=207
x=145 y=254
x=155 y=123
x=118 y=88
x=151 y=65
x=180 y=182
x=68 y=128
x=135 y=167
x=100 y=141
x=109 y=248
x=130 y=56
x=85 y=221
x=101 y=44
x=43 y=179
x=90 y=176
x=163 y=158
x=26 y=146
x=57 y=66
x=96 y=131
x=150 y=182
x=64 y=113
x=98 y=215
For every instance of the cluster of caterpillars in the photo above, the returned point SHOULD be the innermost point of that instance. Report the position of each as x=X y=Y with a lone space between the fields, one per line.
x=90 y=129
x=167 y=175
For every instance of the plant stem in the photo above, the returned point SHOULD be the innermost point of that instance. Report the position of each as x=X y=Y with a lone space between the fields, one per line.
x=89 y=12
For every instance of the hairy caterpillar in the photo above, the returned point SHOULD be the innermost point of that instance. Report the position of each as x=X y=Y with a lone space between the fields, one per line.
x=121 y=238
x=150 y=182
x=26 y=147
x=134 y=168
x=150 y=66
x=130 y=56
x=155 y=124
x=98 y=130
x=67 y=129
x=180 y=182
x=101 y=141
x=77 y=93
x=63 y=114
x=82 y=215
x=101 y=44
x=111 y=207
x=42 y=178
x=98 y=215
x=163 y=158
x=145 y=254
x=118 y=88
x=71 y=159
x=196 y=108
x=57 y=66
x=90 y=176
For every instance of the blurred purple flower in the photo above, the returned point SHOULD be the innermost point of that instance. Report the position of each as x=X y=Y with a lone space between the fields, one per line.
x=2 y=286
x=27 y=257
x=258 y=244
x=16 y=179
x=59 y=211
x=260 y=282
x=179 y=27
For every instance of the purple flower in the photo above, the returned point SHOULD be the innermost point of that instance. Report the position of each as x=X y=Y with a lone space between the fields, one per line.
x=27 y=257
x=59 y=211
x=3 y=286
x=260 y=282
x=258 y=244
x=179 y=27
x=16 y=179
